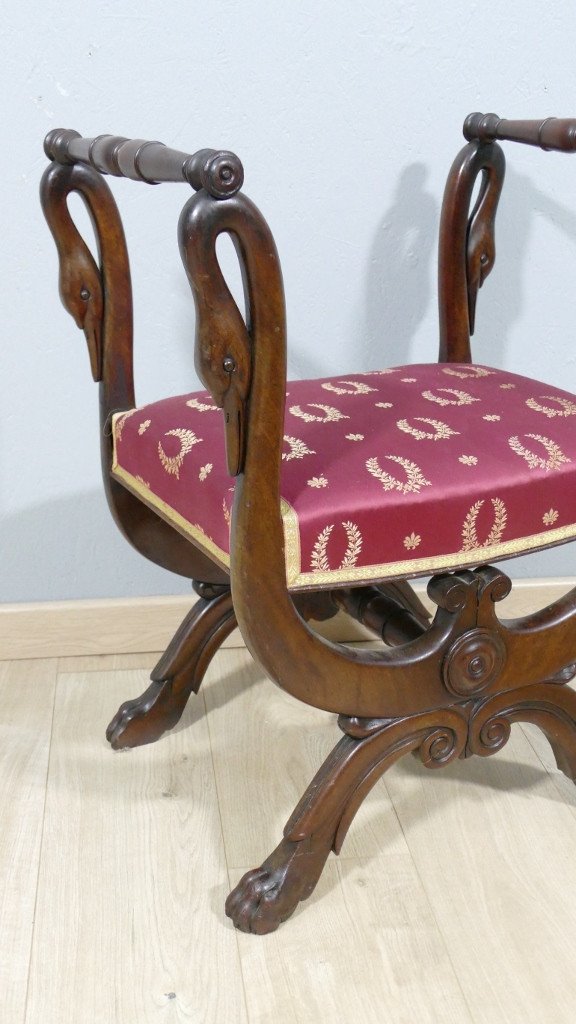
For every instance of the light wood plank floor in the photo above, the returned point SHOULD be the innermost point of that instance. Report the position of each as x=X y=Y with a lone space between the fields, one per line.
x=454 y=899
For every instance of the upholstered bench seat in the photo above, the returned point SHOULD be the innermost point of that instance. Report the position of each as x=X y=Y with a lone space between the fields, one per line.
x=411 y=471
x=399 y=472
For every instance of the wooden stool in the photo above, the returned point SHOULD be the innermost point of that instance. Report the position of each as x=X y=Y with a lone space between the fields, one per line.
x=285 y=506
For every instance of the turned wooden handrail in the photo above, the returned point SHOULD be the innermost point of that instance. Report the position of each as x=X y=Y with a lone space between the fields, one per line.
x=467 y=246
x=558 y=133
x=218 y=171
x=97 y=293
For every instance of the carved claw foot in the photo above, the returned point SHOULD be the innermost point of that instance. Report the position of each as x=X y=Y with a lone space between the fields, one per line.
x=268 y=895
x=178 y=673
x=146 y=718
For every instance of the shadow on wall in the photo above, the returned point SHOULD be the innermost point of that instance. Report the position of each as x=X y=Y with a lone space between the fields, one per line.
x=399 y=273
x=401 y=270
x=521 y=204
x=72 y=549
x=400 y=280
x=397 y=289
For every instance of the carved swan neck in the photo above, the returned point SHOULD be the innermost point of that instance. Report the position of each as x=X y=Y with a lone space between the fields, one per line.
x=466 y=251
x=242 y=361
x=97 y=296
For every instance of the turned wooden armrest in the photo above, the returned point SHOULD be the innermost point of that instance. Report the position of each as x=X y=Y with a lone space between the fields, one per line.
x=467 y=244
x=550 y=133
x=218 y=171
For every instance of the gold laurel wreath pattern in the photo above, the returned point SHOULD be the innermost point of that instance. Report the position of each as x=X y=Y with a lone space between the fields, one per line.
x=552 y=458
x=441 y=430
x=556 y=456
x=473 y=371
x=568 y=408
x=415 y=477
x=469 y=534
x=297 y=449
x=121 y=423
x=331 y=415
x=319 y=560
x=172 y=463
x=195 y=403
x=352 y=387
x=462 y=397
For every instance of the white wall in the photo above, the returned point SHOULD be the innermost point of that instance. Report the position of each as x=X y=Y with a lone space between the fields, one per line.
x=346 y=116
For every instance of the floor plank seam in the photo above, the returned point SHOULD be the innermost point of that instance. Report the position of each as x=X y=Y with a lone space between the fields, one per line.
x=455 y=972
x=228 y=875
x=528 y=737
x=555 y=774
x=41 y=844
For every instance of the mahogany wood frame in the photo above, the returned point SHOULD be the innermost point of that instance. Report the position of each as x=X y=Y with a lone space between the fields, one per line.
x=441 y=689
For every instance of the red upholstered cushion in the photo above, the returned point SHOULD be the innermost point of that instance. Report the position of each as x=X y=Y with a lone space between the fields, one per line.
x=405 y=471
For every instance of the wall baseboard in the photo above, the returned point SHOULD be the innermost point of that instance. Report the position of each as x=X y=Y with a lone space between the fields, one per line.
x=59 y=629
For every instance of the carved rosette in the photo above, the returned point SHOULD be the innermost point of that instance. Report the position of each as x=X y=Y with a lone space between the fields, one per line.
x=473 y=662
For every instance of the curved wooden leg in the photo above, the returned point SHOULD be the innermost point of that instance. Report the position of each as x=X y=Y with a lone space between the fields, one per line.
x=181 y=668
x=269 y=894
x=550 y=706
x=178 y=673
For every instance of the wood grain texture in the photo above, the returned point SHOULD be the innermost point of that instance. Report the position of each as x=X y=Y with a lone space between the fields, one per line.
x=27 y=699
x=263 y=768
x=493 y=842
x=453 y=899
x=133 y=876
x=543 y=750
x=373 y=953
x=351 y=950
